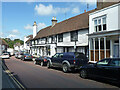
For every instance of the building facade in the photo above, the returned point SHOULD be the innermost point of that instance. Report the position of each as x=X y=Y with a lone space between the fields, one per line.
x=26 y=43
x=70 y=35
x=104 y=33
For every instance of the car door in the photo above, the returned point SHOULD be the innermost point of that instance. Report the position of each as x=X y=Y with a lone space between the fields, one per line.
x=99 y=68
x=60 y=60
x=55 y=59
x=113 y=69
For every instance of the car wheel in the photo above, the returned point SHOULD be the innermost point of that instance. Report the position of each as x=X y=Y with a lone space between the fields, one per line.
x=65 y=68
x=41 y=64
x=48 y=65
x=35 y=62
x=83 y=73
x=23 y=59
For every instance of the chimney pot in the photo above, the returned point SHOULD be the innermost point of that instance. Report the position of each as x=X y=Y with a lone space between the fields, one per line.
x=54 y=21
x=84 y=10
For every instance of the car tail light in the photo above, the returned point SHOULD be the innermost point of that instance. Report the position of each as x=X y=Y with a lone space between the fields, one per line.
x=24 y=56
x=74 y=61
x=45 y=60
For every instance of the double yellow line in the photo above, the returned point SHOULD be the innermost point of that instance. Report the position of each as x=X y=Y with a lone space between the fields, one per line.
x=20 y=86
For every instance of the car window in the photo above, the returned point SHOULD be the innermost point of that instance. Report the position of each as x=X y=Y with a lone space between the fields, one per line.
x=56 y=55
x=103 y=62
x=60 y=55
x=40 y=57
x=114 y=63
x=5 y=54
x=80 y=55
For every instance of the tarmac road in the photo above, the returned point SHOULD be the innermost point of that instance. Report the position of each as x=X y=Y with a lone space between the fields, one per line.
x=35 y=76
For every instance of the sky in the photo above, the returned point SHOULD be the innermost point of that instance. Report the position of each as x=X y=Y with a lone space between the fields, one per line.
x=18 y=17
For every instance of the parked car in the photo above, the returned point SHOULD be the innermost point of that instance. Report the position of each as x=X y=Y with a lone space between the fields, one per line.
x=20 y=55
x=5 y=56
x=42 y=60
x=26 y=57
x=7 y=52
x=106 y=68
x=16 y=55
x=67 y=61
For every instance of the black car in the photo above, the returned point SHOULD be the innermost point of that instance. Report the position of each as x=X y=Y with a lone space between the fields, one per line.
x=42 y=60
x=106 y=68
x=67 y=61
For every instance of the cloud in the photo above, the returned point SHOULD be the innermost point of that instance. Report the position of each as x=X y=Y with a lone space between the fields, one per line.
x=11 y=36
x=28 y=27
x=39 y=26
x=1 y=34
x=75 y=10
x=15 y=31
x=49 y=10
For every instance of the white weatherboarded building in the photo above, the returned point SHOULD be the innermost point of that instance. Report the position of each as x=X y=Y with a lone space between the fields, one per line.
x=104 y=33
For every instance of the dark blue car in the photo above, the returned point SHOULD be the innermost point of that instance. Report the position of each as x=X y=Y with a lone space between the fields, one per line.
x=67 y=61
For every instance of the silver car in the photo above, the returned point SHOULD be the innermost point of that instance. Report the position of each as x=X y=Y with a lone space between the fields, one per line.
x=26 y=57
x=20 y=55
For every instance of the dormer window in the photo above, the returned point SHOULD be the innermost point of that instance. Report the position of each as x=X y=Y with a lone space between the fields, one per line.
x=100 y=24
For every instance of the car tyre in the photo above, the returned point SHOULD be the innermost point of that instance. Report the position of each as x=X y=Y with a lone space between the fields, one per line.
x=48 y=65
x=41 y=64
x=65 y=68
x=83 y=73
x=35 y=62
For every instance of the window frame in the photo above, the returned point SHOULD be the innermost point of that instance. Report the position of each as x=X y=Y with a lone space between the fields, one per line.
x=100 y=24
x=74 y=34
x=60 y=37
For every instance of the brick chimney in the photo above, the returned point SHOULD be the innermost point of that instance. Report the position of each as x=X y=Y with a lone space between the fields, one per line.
x=54 y=21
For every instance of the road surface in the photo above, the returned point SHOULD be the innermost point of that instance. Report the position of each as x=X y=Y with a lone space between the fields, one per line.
x=35 y=76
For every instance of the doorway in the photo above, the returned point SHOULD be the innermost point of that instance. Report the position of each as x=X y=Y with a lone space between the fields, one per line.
x=116 y=50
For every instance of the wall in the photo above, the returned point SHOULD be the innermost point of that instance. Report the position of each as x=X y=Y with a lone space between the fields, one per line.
x=82 y=39
x=25 y=44
x=112 y=18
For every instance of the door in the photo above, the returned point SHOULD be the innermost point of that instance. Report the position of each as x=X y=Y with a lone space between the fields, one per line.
x=99 y=68
x=116 y=50
x=113 y=69
x=55 y=59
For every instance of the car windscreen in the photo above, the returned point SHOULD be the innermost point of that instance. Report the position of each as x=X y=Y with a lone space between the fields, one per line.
x=5 y=54
x=27 y=54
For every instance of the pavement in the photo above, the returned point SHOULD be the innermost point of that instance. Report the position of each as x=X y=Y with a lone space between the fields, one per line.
x=6 y=78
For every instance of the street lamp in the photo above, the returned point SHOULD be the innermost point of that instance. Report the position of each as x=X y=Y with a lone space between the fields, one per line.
x=75 y=48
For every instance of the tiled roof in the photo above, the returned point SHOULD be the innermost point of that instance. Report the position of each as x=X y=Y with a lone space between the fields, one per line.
x=75 y=23
x=30 y=38
x=3 y=42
